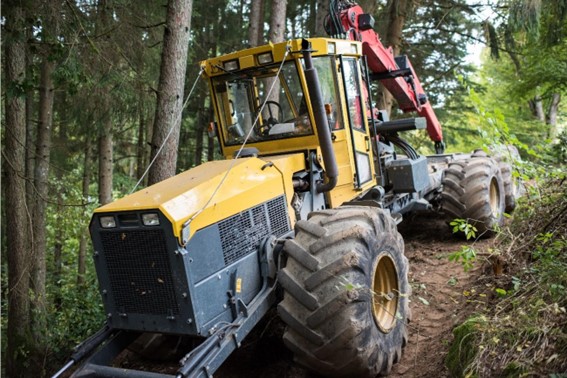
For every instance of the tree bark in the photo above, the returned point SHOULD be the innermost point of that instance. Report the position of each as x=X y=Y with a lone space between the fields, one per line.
x=536 y=106
x=277 y=30
x=83 y=244
x=17 y=239
x=278 y=21
x=41 y=179
x=256 y=29
x=106 y=158
x=59 y=230
x=141 y=146
x=105 y=136
x=322 y=12
x=30 y=131
x=199 y=131
x=169 y=108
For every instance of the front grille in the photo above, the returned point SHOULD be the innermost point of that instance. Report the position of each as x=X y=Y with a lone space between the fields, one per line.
x=241 y=233
x=139 y=272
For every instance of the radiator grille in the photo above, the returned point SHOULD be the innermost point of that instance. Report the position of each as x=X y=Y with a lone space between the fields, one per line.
x=241 y=233
x=139 y=272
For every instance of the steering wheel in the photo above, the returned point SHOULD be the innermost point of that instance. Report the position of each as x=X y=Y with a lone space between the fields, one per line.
x=272 y=120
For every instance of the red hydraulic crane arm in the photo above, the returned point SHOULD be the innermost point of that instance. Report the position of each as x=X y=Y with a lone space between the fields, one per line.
x=396 y=74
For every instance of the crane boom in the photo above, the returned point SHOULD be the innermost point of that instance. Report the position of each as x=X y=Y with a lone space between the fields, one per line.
x=348 y=20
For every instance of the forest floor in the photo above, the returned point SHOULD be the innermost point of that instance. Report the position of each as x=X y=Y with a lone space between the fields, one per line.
x=444 y=295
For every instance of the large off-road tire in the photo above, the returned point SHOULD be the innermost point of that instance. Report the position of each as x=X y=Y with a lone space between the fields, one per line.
x=346 y=292
x=473 y=190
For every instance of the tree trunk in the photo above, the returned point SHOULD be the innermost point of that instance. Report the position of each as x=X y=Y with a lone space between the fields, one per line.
x=141 y=146
x=536 y=106
x=59 y=230
x=41 y=179
x=552 y=115
x=256 y=29
x=30 y=131
x=369 y=6
x=397 y=12
x=105 y=159
x=83 y=244
x=167 y=121
x=278 y=21
x=277 y=30
x=17 y=239
x=199 y=131
x=322 y=12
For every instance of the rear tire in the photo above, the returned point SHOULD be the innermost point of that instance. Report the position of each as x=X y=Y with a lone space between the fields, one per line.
x=346 y=292
x=473 y=190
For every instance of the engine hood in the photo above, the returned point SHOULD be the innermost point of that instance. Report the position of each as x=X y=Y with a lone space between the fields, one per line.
x=206 y=194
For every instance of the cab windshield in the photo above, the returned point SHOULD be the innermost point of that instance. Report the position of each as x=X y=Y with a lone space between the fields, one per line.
x=246 y=105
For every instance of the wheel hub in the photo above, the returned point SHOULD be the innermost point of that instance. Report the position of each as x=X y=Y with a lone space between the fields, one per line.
x=494 y=197
x=385 y=293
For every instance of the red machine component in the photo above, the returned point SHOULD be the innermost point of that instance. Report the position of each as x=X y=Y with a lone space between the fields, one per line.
x=395 y=73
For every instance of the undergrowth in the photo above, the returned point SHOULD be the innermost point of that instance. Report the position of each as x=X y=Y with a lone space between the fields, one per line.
x=523 y=332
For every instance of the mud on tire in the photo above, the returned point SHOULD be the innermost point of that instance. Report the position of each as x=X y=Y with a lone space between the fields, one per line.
x=473 y=190
x=346 y=292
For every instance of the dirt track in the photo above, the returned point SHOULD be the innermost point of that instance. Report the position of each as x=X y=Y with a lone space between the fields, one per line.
x=443 y=295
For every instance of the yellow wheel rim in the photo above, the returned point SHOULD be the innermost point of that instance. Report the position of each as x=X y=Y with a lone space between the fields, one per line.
x=385 y=292
x=494 y=194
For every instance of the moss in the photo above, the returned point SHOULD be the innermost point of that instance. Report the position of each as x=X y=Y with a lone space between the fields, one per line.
x=464 y=347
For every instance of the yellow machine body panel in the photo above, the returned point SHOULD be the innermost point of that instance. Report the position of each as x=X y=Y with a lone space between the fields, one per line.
x=341 y=77
x=208 y=194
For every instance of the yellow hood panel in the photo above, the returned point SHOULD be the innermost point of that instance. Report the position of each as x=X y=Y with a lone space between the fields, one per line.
x=206 y=193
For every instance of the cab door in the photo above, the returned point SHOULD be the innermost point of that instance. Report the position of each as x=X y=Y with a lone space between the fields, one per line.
x=357 y=115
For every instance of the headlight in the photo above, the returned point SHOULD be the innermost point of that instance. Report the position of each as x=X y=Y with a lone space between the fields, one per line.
x=265 y=58
x=231 y=65
x=107 y=222
x=150 y=219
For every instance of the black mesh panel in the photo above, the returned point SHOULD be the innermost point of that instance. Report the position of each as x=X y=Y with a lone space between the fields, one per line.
x=139 y=271
x=241 y=233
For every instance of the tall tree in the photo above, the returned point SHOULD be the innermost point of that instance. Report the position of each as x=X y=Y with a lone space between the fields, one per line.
x=82 y=253
x=320 y=16
x=14 y=167
x=256 y=28
x=49 y=34
x=170 y=97
x=104 y=109
x=278 y=21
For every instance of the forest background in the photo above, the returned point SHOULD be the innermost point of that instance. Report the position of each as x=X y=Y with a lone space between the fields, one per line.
x=82 y=118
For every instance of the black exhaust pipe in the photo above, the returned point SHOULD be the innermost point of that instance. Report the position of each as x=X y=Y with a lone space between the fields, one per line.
x=321 y=122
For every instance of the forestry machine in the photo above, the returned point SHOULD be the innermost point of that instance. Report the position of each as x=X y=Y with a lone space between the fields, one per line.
x=302 y=214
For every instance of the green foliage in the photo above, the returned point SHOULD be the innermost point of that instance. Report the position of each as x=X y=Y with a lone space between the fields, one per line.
x=466 y=256
x=79 y=314
x=523 y=333
x=463 y=226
